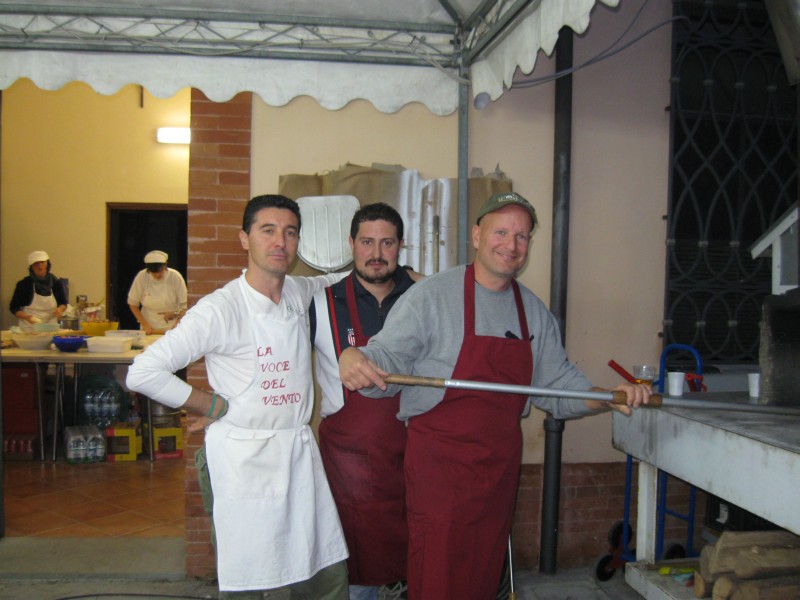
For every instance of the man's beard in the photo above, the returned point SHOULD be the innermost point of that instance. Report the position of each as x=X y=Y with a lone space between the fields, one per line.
x=376 y=279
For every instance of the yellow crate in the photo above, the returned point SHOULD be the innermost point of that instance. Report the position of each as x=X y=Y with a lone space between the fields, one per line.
x=167 y=442
x=123 y=443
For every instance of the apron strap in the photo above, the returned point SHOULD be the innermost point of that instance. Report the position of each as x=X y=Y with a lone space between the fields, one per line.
x=334 y=323
x=469 y=304
x=352 y=310
x=469 y=301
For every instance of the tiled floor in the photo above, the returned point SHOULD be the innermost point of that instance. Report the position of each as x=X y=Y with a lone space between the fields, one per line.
x=108 y=499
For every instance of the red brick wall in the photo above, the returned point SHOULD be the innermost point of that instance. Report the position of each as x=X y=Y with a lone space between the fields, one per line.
x=219 y=188
x=592 y=500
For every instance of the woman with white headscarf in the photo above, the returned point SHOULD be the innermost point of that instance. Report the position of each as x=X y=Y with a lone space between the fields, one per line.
x=39 y=297
x=160 y=292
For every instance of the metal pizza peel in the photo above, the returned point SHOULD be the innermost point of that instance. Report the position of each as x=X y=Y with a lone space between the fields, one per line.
x=324 y=231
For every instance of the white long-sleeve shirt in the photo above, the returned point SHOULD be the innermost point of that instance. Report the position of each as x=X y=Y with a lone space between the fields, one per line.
x=217 y=328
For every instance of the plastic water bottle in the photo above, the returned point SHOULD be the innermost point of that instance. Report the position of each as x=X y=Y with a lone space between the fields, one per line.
x=77 y=448
x=90 y=406
x=114 y=406
x=95 y=448
x=105 y=409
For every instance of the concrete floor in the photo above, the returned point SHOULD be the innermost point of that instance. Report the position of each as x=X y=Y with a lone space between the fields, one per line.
x=152 y=569
x=571 y=584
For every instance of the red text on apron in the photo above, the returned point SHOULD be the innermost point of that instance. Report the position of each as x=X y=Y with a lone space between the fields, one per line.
x=362 y=447
x=462 y=468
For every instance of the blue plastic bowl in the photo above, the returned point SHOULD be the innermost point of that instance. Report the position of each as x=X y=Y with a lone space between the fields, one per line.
x=69 y=343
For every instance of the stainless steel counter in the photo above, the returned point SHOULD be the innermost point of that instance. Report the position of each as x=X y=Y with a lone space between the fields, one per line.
x=749 y=459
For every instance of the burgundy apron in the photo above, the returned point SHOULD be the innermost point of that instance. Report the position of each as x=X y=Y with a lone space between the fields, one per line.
x=462 y=468
x=362 y=448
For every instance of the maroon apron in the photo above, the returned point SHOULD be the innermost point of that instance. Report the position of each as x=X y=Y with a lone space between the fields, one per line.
x=462 y=468
x=362 y=447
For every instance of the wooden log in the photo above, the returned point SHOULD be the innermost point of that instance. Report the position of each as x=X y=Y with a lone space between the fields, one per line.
x=722 y=557
x=775 y=588
x=705 y=563
x=759 y=562
x=703 y=587
x=724 y=587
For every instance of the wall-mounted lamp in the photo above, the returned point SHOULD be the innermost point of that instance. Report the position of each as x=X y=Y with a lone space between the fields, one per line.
x=174 y=135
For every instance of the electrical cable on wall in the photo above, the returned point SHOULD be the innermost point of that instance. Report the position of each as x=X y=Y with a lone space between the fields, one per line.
x=607 y=53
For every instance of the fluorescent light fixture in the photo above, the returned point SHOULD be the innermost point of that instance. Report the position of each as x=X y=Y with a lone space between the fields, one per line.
x=174 y=135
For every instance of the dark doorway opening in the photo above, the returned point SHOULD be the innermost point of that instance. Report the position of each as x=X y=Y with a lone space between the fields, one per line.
x=134 y=230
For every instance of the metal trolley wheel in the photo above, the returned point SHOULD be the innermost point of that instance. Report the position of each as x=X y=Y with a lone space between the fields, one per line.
x=674 y=551
x=615 y=534
x=604 y=570
x=609 y=563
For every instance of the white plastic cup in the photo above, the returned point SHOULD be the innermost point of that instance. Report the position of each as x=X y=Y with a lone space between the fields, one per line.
x=675 y=381
x=754 y=384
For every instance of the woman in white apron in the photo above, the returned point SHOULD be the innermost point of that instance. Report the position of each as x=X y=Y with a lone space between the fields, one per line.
x=157 y=297
x=39 y=297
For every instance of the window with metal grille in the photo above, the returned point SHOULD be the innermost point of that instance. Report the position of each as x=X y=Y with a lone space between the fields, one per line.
x=733 y=174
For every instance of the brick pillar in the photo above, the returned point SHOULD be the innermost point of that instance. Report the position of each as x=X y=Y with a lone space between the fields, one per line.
x=219 y=188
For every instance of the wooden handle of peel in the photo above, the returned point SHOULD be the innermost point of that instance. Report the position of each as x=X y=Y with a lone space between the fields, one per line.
x=622 y=398
x=415 y=380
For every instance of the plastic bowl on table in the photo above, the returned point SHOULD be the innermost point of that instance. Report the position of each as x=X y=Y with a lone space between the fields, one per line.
x=109 y=344
x=33 y=341
x=69 y=343
x=137 y=335
x=98 y=327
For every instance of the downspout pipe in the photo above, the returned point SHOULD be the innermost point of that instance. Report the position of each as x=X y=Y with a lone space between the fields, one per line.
x=559 y=264
x=463 y=162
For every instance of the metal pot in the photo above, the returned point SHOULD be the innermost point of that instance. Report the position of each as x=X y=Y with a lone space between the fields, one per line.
x=69 y=323
x=164 y=416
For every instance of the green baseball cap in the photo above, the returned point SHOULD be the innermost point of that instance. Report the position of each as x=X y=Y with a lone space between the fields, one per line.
x=498 y=201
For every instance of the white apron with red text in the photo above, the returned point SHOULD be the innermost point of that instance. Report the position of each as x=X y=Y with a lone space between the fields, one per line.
x=275 y=519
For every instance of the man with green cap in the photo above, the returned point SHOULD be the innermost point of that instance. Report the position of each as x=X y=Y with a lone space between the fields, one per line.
x=464 y=447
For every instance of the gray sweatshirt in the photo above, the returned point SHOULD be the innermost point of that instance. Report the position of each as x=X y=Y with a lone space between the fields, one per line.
x=424 y=332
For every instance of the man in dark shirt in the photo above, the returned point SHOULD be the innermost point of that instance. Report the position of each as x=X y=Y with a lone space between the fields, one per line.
x=361 y=440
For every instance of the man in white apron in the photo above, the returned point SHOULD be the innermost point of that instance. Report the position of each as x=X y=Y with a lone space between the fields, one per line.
x=39 y=297
x=277 y=531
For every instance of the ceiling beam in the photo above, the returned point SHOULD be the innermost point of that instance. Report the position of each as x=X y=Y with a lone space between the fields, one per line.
x=224 y=16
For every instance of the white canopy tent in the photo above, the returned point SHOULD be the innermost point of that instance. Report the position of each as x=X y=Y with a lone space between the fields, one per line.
x=388 y=52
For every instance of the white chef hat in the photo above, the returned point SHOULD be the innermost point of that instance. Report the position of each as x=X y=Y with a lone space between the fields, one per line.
x=36 y=256
x=155 y=256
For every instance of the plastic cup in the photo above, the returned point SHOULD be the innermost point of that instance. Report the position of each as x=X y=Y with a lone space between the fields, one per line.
x=754 y=385
x=675 y=382
x=644 y=374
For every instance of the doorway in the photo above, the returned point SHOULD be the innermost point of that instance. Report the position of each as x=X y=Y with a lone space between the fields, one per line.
x=133 y=231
